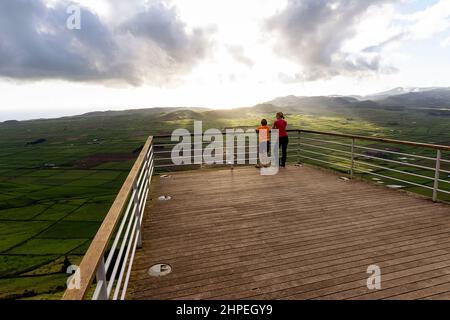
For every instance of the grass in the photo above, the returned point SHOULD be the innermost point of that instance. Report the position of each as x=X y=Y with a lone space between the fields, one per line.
x=89 y=212
x=31 y=287
x=13 y=233
x=22 y=213
x=71 y=230
x=14 y=264
x=47 y=246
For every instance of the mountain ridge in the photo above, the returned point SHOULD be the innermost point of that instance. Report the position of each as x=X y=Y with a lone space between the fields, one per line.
x=400 y=97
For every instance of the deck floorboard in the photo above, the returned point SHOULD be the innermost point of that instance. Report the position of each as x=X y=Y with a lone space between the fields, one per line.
x=301 y=234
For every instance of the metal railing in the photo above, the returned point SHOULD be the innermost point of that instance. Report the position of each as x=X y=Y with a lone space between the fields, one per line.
x=424 y=169
x=163 y=148
x=109 y=259
x=355 y=155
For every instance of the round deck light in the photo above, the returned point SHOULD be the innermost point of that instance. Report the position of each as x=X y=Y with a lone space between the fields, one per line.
x=159 y=270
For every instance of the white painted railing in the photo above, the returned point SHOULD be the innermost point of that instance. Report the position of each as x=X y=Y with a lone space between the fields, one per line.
x=352 y=153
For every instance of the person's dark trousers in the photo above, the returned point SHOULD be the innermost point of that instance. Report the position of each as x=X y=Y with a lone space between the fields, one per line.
x=262 y=146
x=283 y=144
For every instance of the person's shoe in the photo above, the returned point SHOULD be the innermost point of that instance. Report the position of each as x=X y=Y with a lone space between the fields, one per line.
x=258 y=166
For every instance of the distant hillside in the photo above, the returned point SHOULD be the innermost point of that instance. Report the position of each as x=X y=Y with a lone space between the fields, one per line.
x=399 y=97
x=433 y=98
x=143 y=112
x=180 y=115
x=324 y=101
x=265 y=108
x=395 y=99
x=398 y=91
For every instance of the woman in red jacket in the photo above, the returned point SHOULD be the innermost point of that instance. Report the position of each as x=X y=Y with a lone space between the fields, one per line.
x=281 y=125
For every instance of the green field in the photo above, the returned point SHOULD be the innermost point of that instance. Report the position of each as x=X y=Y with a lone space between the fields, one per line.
x=55 y=194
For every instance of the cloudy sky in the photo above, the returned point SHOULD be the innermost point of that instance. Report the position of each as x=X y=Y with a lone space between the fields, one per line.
x=213 y=53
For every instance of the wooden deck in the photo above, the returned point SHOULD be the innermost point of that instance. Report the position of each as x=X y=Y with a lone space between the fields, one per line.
x=301 y=234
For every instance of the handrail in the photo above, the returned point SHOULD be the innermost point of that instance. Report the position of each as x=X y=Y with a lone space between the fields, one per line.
x=223 y=132
x=94 y=257
x=344 y=135
x=386 y=140
x=354 y=158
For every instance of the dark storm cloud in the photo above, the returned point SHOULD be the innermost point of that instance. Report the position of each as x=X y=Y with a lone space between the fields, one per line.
x=154 y=44
x=312 y=32
x=160 y=24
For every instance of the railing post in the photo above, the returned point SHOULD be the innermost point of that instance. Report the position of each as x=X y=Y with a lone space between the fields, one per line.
x=352 y=166
x=101 y=280
x=437 y=175
x=298 y=147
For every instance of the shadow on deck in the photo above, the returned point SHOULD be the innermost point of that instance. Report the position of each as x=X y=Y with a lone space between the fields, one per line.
x=301 y=234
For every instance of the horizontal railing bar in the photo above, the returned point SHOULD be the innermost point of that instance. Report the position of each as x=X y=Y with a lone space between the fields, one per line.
x=330 y=163
x=121 y=252
x=394 y=170
x=120 y=257
x=127 y=277
x=130 y=265
x=327 y=141
x=394 y=161
x=205 y=164
x=443 y=191
x=141 y=175
x=386 y=140
x=176 y=165
x=140 y=206
x=179 y=144
x=98 y=289
x=395 y=179
x=325 y=148
x=394 y=152
x=119 y=232
x=326 y=155
x=343 y=135
x=193 y=150
x=223 y=132
x=192 y=156
x=125 y=259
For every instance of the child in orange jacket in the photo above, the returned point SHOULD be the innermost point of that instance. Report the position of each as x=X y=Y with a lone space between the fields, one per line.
x=263 y=139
